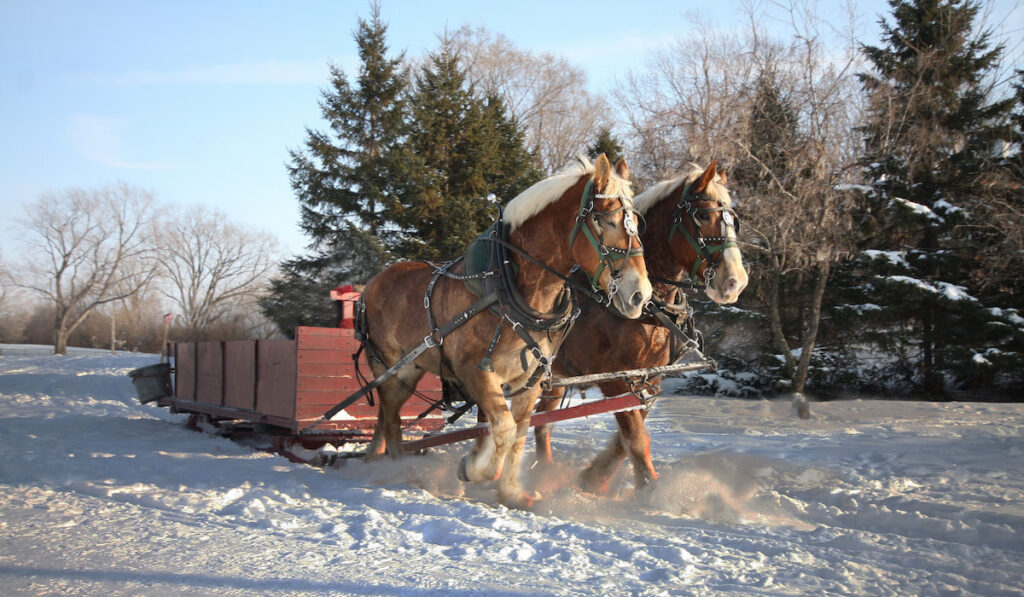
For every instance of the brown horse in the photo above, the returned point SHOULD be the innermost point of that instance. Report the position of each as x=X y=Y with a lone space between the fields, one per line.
x=582 y=216
x=691 y=231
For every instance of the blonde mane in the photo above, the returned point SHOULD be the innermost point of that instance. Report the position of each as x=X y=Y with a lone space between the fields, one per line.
x=716 y=190
x=533 y=200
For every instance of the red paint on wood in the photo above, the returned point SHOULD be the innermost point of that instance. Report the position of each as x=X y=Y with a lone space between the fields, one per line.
x=275 y=375
x=209 y=386
x=240 y=374
x=185 y=370
x=583 y=410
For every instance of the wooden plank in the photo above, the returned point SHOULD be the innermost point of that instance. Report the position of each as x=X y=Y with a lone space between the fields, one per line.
x=307 y=331
x=618 y=403
x=335 y=356
x=649 y=373
x=275 y=378
x=330 y=370
x=328 y=342
x=320 y=385
x=314 y=405
x=185 y=370
x=240 y=374
x=209 y=376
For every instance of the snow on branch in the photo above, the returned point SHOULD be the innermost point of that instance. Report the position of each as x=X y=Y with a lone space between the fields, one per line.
x=918 y=209
x=944 y=289
x=897 y=258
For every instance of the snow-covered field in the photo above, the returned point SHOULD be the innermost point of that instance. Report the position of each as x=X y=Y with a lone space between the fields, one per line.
x=100 y=495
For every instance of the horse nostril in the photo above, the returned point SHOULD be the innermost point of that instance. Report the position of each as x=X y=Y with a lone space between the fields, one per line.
x=636 y=299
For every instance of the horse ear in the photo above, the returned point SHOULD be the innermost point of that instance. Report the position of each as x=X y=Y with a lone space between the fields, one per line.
x=723 y=177
x=707 y=177
x=602 y=172
x=622 y=169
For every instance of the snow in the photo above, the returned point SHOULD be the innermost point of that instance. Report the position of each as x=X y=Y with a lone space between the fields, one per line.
x=949 y=291
x=1010 y=315
x=898 y=258
x=100 y=495
x=860 y=188
x=947 y=207
x=919 y=209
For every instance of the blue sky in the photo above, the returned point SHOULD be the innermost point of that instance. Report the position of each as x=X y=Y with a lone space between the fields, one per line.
x=199 y=101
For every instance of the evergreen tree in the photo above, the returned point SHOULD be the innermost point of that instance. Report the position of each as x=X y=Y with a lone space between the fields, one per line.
x=354 y=171
x=301 y=294
x=468 y=149
x=346 y=179
x=1015 y=161
x=930 y=141
x=607 y=144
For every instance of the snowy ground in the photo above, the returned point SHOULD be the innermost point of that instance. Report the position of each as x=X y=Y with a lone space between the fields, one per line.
x=100 y=495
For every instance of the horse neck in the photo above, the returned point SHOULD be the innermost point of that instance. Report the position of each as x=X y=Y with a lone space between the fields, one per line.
x=545 y=236
x=661 y=263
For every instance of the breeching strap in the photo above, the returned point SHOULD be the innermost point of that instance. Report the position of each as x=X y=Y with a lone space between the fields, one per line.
x=430 y=341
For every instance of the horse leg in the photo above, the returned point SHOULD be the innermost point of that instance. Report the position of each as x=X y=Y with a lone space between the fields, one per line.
x=637 y=442
x=484 y=462
x=598 y=474
x=510 y=487
x=631 y=439
x=548 y=402
x=387 y=431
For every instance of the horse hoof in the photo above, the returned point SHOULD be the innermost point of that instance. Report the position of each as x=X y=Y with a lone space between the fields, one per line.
x=523 y=501
x=463 y=475
x=590 y=482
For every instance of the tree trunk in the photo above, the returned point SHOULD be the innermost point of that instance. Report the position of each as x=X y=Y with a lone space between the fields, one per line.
x=811 y=331
x=775 y=318
x=60 y=341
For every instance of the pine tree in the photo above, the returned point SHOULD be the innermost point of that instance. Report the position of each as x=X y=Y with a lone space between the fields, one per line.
x=354 y=171
x=346 y=179
x=468 y=149
x=1015 y=162
x=607 y=144
x=301 y=294
x=930 y=141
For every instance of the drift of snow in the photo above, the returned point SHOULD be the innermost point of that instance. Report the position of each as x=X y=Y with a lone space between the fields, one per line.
x=100 y=495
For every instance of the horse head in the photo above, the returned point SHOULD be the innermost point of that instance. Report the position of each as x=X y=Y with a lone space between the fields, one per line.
x=605 y=240
x=703 y=234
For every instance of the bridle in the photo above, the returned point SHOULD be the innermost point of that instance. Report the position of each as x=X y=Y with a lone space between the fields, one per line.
x=710 y=249
x=586 y=221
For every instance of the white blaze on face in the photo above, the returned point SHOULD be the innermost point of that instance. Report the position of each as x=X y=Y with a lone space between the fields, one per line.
x=631 y=293
x=730 y=276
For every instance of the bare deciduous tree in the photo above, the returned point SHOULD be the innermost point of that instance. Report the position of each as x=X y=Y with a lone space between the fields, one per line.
x=545 y=93
x=799 y=159
x=215 y=271
x=87 y=249
x=778 y=114
x=687 y=103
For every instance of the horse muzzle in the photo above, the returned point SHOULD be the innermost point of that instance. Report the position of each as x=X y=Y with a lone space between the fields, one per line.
x=632 y=291
x=730 y=279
